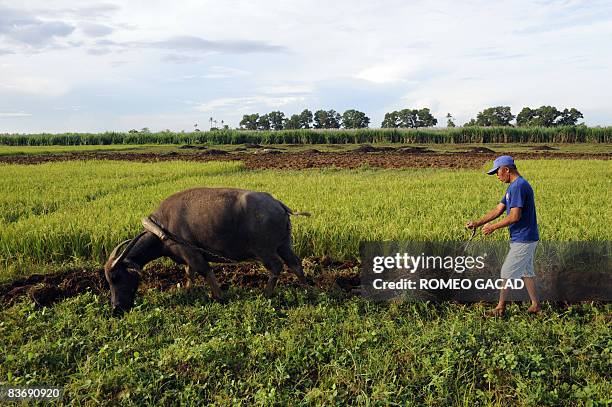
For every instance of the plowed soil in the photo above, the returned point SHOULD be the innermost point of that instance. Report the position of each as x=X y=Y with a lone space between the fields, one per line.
x=47 y=289
x=395 y=158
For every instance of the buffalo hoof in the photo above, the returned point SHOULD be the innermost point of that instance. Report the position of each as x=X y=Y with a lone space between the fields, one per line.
x=221 y=300
x=307 y=281
x=117 y=312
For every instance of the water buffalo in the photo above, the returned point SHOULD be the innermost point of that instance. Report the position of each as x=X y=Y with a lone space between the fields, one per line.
x=202 y=225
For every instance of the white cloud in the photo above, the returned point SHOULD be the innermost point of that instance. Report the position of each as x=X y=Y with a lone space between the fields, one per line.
x=250 y=103
x=15 y=114
x=21 y=29
x=223 y=72
x=34 y=85
x=235 y=57
x=95 y=30
x=389 y=72
x=69 y=108
x=287 y=89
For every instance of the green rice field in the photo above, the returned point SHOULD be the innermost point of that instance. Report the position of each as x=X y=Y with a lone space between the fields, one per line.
x=302 y=347
x=81 y=209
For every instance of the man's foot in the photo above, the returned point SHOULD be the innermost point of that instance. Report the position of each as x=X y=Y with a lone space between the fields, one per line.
x=495 y=313
x=534 y=309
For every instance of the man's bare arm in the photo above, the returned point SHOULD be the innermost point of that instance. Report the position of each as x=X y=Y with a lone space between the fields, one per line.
x=493 y=214
x=513 y=217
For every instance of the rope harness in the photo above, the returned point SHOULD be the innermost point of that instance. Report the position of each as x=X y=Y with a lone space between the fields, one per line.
x=153 y=226
x=467 y=244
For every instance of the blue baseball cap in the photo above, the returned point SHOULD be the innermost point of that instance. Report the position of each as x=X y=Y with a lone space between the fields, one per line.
x=504 y=160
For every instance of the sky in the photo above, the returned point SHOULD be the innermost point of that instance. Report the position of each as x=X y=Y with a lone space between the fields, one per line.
x=89 y=66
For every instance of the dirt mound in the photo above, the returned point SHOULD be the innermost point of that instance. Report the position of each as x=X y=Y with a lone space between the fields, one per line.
x=414 y=150
x=352 y=160
x=303 y=160
x=367 y=148
x=481 y=150
x=544 y=148
x=311 y=151
x=268 y=151
x=48 y=289
x=349 y=283
x=214 y=151
x=253 y=145
x=192 y=147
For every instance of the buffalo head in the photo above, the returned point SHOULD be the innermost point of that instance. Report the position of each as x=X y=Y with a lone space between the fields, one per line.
x=123 y=277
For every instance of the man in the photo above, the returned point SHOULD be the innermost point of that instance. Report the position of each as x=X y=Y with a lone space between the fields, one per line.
x=518 y=201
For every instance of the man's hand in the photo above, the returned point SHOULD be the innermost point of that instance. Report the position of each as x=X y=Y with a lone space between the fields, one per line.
x=488 y=229
x=472 y=224
x=492 y=214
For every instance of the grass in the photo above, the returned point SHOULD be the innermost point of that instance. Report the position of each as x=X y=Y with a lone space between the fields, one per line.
x=306 y=349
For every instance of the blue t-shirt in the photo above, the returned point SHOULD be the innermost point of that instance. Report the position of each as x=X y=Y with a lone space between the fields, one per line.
x=520 y=195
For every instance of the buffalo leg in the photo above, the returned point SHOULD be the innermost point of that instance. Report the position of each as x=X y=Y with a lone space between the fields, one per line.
x=196 y=262
x=293 y=262
x=274 y=266
x=214 y=286
x=190 y=276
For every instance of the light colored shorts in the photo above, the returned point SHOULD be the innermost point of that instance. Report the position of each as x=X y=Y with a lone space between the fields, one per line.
x=519 y=261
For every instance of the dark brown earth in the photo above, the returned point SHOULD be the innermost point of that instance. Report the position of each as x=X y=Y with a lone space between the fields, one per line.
x=47 y=289
x=192 y=147
x=395 y=158
x=481 y=150
x=544 y=148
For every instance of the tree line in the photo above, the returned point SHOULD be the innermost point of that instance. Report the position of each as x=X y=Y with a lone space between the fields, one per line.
x=321 y=119
x=544 y=116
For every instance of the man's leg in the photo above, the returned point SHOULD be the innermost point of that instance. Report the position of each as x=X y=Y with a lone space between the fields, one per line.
x=529 y=279
x=501 y=304
x=503 y=294
x=506 y=272
x=533 y=296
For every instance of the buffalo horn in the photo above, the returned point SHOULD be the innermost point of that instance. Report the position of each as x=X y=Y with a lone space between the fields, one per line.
x=152 y=227
x=130 y=244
